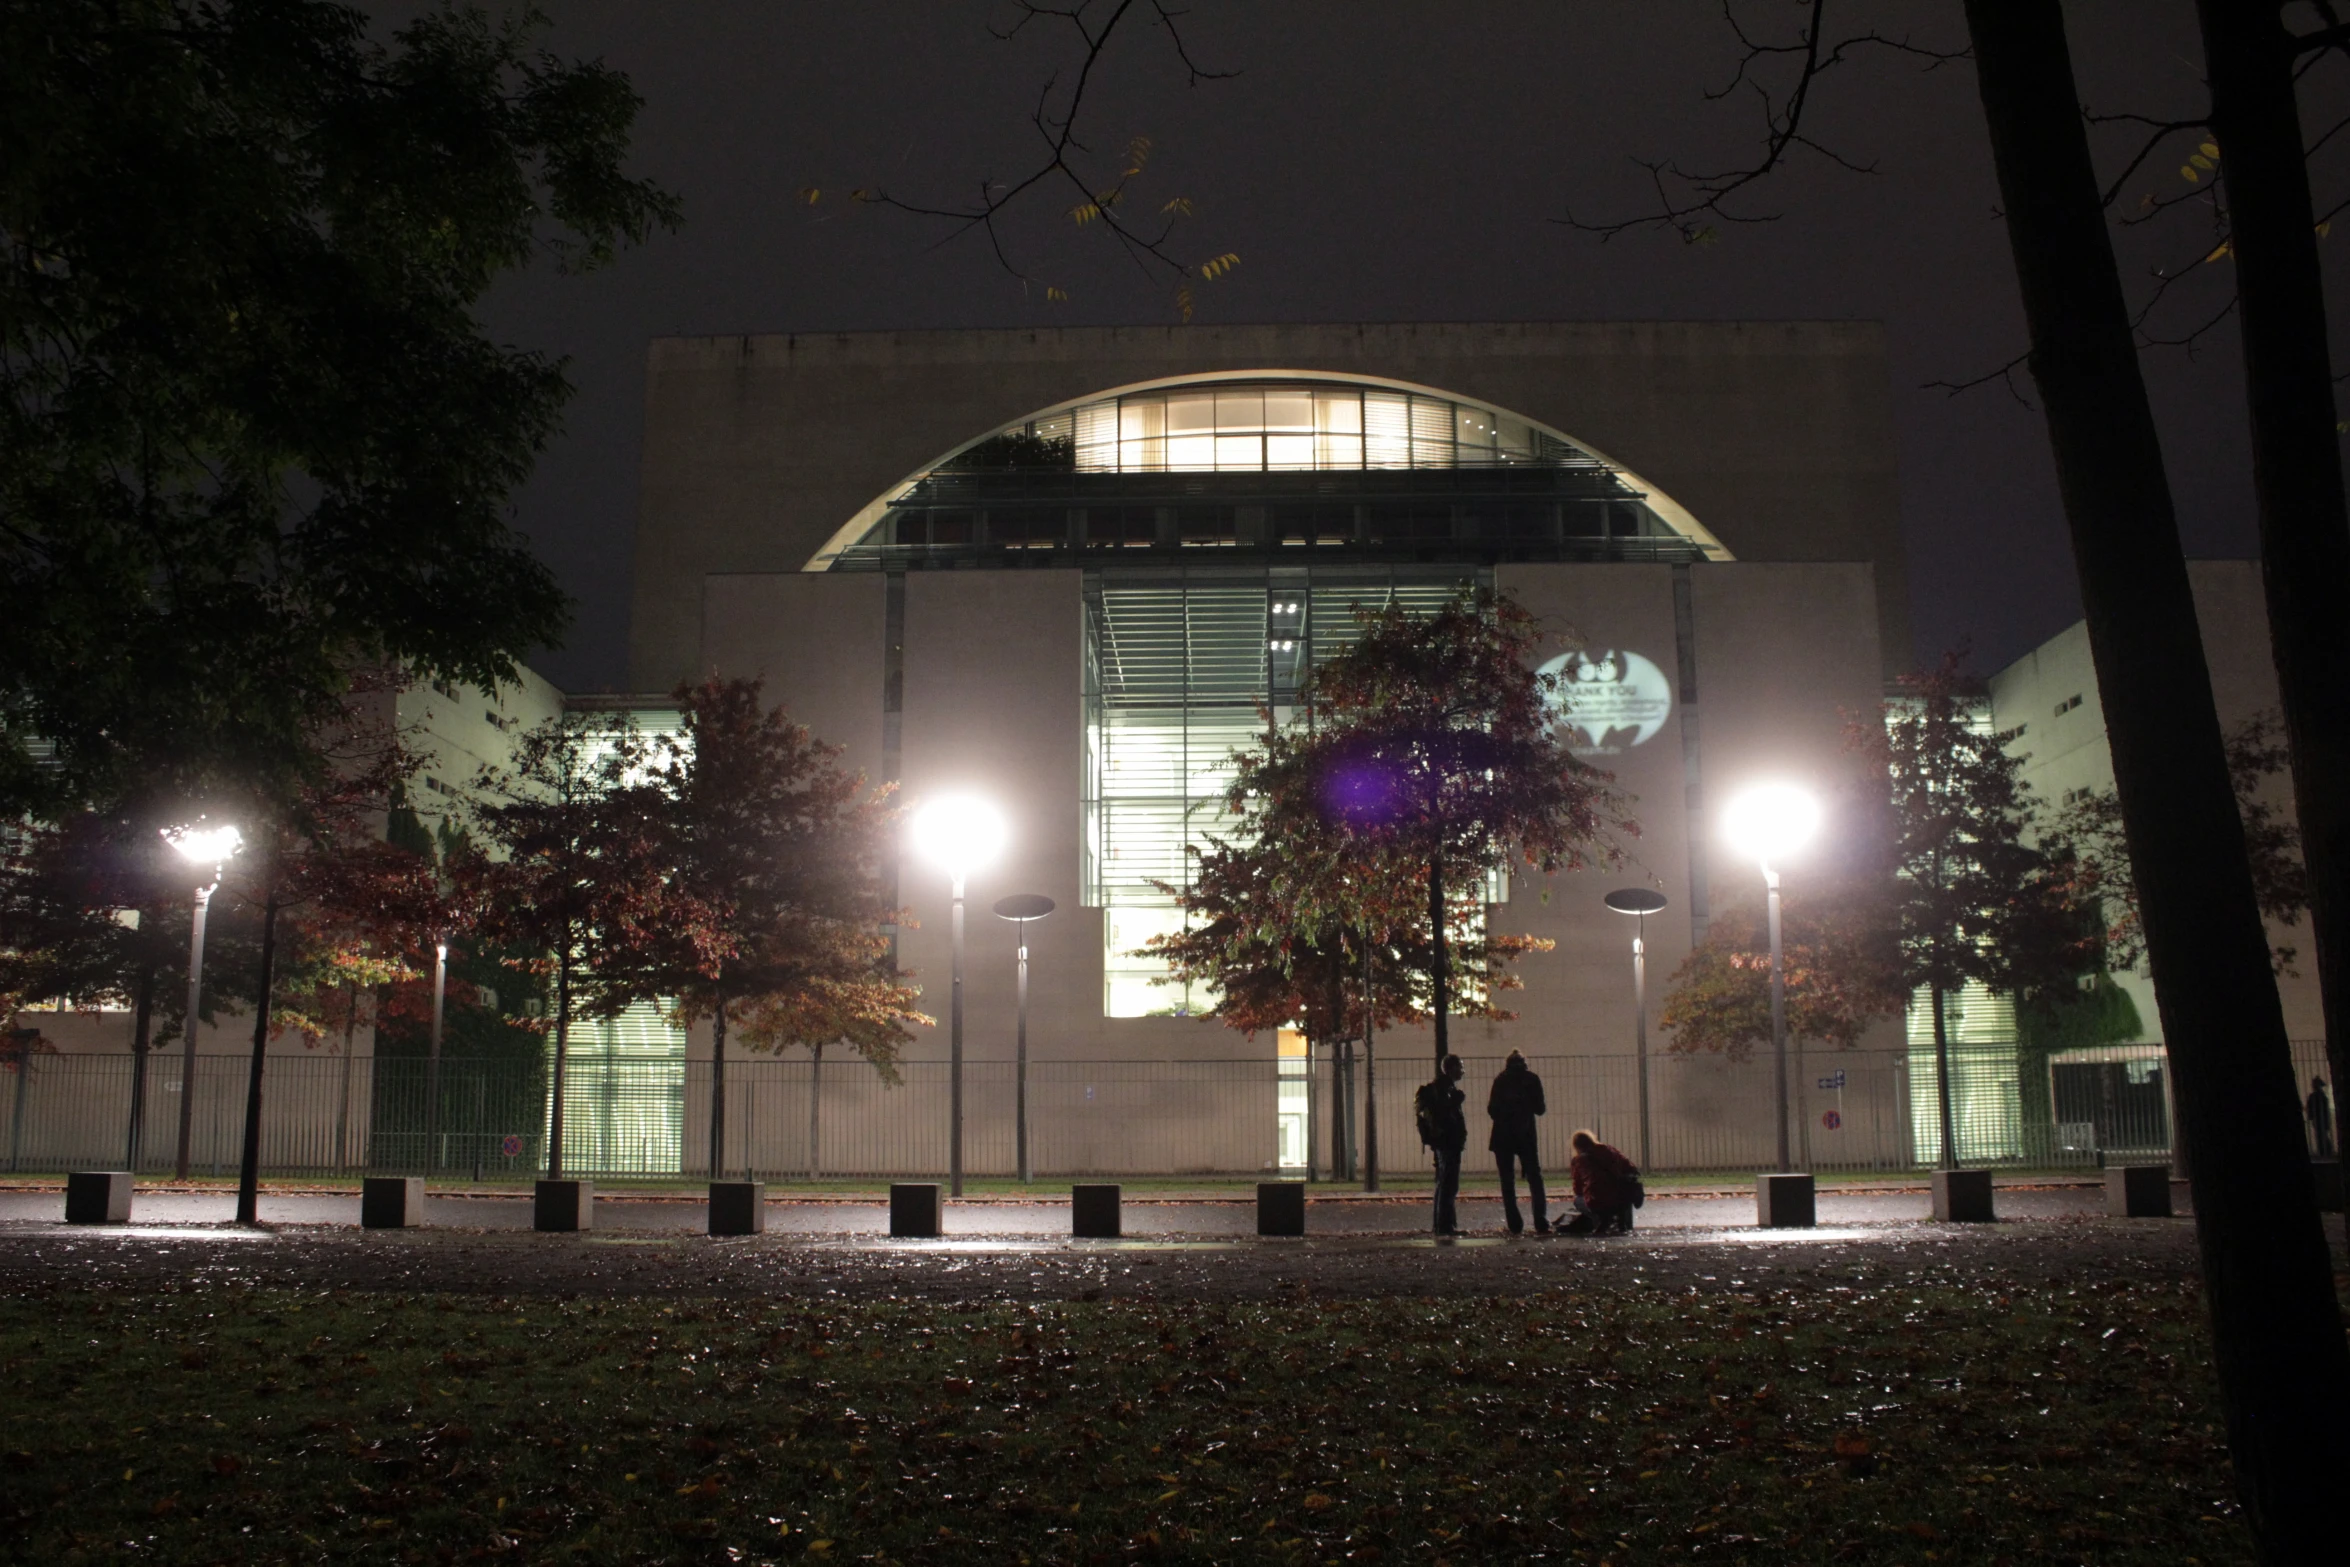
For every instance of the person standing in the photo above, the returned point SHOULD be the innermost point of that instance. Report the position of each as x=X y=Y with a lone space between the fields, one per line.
x=2320 y=1109
x=1445 y=1130
x=1605 y=1187
x=1515 y=1101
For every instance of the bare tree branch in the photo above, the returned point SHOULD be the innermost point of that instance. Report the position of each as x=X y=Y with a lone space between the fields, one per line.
x=1687 y=199
x=1100 y=184
x=2004 y=374
x=2162 y=130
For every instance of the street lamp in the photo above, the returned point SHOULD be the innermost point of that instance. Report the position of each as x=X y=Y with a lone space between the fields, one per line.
x=958 y=834
x=1639 y=902
x=1020 y=908
x=1766 y=824
x=205 y=848
x=432 y=1070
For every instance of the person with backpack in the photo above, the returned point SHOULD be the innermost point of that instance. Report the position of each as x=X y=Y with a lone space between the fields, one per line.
x=1515 y=1101
x=1445 y=1131
x=1607 y=1188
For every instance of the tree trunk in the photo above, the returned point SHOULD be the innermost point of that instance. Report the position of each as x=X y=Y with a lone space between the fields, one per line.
x=343 y=1098
x=2284 y=1370
x=142 y=1038
x=1440 y=968
x=718 y=1090
x=1370 y=1075
x=249 y=1167
x=2296 y=463
x=562 y=1039
x=1949 y=1159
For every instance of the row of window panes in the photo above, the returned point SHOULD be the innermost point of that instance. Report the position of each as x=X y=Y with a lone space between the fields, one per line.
x=1291 y=428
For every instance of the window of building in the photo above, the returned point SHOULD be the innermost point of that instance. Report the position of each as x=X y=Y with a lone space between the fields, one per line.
x=1291 y=427
x=1179 y=668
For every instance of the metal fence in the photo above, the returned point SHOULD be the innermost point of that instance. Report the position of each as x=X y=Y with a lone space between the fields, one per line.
x=795 y=1119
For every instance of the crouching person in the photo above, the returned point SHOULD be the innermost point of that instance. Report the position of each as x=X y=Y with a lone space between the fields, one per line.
x=1606 y=1187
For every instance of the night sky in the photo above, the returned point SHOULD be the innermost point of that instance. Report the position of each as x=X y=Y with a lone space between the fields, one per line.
x=1388 y=162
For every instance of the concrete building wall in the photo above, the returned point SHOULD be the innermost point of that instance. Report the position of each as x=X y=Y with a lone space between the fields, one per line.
x=1777 y=436
x=458 y=731
x=2066 y=753
x=992 y=704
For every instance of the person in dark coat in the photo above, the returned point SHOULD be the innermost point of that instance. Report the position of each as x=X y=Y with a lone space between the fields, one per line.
x=1603 y=1188
x=1446 y=1132
x=1515 y=1101
x=2319 y=1107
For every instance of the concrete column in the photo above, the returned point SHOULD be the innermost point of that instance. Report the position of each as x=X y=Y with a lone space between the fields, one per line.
x=1962 y=1196
x=563 y=1206
x=1094 y=1212
x=2137 y=1191
x=1784 y=1202
x=98 y=1197
x=391 y=1202
x=914 y=1210
x=738 y=1207
x=1281 y=1207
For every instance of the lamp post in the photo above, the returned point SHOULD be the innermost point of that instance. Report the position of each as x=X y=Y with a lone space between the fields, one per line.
x=1639 y=902
x=1020 y=908
x=206 y=848
x=1766 y=824
x=432 y=1067
x=958 y=834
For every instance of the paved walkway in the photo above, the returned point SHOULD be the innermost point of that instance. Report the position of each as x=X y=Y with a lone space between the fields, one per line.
x=1046 y=1217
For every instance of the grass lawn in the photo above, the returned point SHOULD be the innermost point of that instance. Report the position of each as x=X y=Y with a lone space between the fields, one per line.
x=1864 y=1424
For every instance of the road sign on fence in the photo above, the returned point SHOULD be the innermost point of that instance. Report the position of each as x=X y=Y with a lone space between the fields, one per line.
x=1831 y=1120
x=511 y=1145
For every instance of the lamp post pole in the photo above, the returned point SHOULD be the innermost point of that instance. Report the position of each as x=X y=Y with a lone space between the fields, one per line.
x=1020 y=908
x=957 y=833
x=432 y=1069
x=1778 y=1012
x=1020 y=1066
x=202 y=847
x=1639 y=902
x=188 y=1025
x=1640 y=1025
x=955 y=1052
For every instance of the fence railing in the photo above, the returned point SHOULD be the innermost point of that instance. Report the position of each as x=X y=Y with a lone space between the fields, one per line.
x=792 y=1118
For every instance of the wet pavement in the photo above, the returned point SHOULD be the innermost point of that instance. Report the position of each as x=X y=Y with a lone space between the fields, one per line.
x=997 y=1249
x=1047 y=1215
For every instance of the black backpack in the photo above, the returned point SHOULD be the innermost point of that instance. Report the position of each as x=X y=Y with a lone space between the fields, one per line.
x=1424 y=1112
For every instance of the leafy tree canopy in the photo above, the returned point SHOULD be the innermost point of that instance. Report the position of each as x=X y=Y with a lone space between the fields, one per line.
x=253 y=433
x=779 y=896
x=2088 y=831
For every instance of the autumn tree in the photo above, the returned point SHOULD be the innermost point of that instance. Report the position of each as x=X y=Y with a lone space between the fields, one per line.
x=92 y=915
x=779 y=895
x=573 y=870
x=1970 y=898
x=2088 y=832
x=1293 y=923
x=1842 y=971
x=1434 y=744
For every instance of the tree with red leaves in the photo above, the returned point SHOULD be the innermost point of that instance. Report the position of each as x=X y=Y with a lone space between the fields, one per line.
x=1972 y=898
x=778 y=891
x=1432 y=744
x=579 y=872
x=1836 y=949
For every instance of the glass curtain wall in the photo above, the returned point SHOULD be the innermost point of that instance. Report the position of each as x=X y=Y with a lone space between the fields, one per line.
x=624 y=1094
x=1181 y=668
x=1986 y=1104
